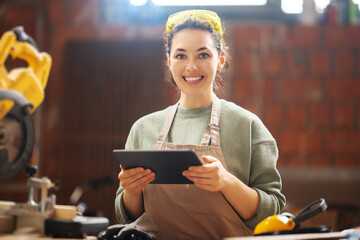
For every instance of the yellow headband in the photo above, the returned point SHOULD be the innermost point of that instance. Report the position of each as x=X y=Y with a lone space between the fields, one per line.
x=202 y=15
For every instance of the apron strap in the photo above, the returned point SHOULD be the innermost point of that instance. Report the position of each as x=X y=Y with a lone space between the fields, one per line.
x=167 y=124
x=212 y=133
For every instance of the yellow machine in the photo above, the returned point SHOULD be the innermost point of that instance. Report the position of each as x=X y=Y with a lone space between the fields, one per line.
x=275 y=223
x=30 y=81
x=287 y=223
x=21 y=92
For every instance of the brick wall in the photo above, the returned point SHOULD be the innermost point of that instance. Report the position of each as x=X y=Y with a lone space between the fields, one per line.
x=304 y=82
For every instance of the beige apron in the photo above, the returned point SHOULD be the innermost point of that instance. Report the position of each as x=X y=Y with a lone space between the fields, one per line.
x=184 y=211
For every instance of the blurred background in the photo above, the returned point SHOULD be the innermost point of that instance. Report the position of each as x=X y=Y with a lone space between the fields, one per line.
x=294 y=63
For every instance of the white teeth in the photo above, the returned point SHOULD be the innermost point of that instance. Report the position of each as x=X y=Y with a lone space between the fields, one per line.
x=192 y=79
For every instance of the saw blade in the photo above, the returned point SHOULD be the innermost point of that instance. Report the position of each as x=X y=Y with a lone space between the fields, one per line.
x=11 y=140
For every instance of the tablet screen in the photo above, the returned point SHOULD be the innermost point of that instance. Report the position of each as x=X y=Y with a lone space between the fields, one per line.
x=168 y=165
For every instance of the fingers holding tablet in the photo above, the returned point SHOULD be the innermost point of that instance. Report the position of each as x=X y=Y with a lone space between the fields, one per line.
x=135 y=179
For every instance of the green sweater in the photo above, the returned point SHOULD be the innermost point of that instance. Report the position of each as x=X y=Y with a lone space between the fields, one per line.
x=249 y=149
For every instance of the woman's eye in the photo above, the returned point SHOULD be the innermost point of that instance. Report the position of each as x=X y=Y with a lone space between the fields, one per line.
x=180 y=56
x=204 y=55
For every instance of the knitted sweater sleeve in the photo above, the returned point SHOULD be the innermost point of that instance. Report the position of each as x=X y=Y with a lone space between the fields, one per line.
x=120 y=212
x=264 y=177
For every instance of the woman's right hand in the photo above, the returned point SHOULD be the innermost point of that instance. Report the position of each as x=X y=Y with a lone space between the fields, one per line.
x=134 y=180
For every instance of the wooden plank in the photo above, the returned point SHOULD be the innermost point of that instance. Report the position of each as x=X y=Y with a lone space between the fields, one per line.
x=305 y=236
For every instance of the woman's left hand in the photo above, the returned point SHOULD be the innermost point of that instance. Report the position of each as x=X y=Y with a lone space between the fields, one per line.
x=211 y=176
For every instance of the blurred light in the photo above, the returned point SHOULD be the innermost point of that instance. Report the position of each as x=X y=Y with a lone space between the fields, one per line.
x=138 y=2
x=320 y=5
x=292 y=6
x=209 y=2
x=357 y=2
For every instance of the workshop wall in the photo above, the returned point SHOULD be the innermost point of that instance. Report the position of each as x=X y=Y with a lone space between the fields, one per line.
x=302 y=81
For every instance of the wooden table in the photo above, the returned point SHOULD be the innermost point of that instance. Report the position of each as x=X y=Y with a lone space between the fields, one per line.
x=303 y=236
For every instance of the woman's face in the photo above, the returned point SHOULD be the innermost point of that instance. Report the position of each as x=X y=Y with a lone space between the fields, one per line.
x=194 y=61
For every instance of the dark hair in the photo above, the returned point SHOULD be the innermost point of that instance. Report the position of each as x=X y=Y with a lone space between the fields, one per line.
x=193 y=23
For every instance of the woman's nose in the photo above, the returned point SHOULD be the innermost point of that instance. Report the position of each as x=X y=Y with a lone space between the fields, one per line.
x=192 y=65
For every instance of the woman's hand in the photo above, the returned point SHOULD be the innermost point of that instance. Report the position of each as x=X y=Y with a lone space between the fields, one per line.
x=211 y=176
x=214 y=177
x=135 y=180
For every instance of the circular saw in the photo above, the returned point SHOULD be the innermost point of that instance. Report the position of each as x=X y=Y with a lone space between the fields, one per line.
x=21 y=92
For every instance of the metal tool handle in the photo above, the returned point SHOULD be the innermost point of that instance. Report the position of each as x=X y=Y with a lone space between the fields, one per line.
x=311 y=210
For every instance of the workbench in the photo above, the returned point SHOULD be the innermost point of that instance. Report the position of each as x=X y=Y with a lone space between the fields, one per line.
x=303 y=236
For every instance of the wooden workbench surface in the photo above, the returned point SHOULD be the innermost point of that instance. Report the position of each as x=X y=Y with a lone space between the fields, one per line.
x=304 y=236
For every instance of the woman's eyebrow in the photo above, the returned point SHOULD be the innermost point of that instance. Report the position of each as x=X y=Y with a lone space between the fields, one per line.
x=183 y=50
x=180 y=50
x=202 y=49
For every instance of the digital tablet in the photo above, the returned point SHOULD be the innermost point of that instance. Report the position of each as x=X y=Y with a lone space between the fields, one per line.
x=168 y=165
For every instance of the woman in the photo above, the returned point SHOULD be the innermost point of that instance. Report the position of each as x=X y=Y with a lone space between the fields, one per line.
x=238 y=185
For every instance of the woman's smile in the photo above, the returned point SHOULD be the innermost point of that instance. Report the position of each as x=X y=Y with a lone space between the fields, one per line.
x=193 y=79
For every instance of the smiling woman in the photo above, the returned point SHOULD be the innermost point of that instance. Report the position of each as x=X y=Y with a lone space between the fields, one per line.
x=194 y=63
x=211 y=48
x=238 y=185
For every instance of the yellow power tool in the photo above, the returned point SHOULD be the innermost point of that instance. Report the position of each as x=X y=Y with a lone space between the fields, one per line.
x=21 y=92
x=287 y=223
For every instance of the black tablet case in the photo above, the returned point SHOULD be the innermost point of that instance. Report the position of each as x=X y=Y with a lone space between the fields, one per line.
x=168 y=165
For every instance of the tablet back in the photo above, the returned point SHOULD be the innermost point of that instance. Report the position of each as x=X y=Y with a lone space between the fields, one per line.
x=168 y=165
